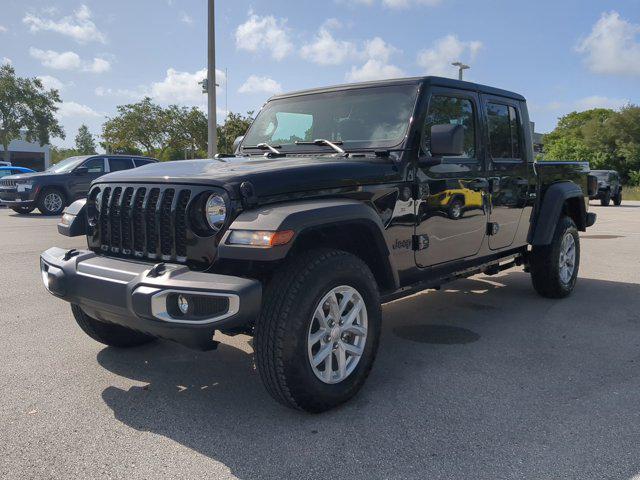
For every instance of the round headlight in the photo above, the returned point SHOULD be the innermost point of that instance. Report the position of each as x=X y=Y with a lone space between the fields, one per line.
x=215 y=211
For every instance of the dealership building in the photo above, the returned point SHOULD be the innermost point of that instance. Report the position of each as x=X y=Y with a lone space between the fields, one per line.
x=27 y=154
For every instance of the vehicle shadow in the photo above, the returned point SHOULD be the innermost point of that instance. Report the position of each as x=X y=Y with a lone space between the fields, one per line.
x=483 y=379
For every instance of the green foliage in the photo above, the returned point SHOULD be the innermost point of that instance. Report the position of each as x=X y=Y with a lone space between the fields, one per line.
x=58 y=154
x=607 y=139
x=634 y=178
x=235 y=125
x=85 y=143
x=25 y=106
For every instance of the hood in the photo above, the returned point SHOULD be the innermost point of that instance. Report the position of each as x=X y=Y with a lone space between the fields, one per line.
x=28 y=176
x=269 y=176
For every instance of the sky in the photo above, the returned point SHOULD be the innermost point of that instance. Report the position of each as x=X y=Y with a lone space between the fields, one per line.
x=562 y=55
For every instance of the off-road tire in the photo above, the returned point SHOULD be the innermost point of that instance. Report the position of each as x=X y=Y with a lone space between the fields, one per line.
x=606 y=199
x=22 y=210
x=109 y=333
x=281 y=331
x=617 y=200
x=42 y=207
x=544 y=262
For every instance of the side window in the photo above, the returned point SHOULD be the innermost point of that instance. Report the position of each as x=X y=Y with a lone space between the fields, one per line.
x=444 y=110
x=504 y=132
x=141 y=161
x=94 y=165
x=117 y=164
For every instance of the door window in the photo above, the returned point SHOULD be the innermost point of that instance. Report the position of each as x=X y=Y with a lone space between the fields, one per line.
x=504 y=132
x=141 y=161
x=117 y=164
x=94 y=165
x=446 y=110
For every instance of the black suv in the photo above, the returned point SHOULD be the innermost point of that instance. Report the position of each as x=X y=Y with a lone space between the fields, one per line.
x=609 y=187
x=52 y=190
x=337 y=200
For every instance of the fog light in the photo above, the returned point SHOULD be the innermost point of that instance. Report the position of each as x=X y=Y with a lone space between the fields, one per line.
x=183 y=304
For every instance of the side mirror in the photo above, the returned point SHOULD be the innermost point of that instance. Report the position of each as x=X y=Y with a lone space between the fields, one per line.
x=236 y=143
x=447 y=140
x=81 y=171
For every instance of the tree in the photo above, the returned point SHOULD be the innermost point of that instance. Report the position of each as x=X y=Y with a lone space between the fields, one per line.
x=26 y=107
x=234 y=126
x=606 y=138
x=188 y=131
x=143 y=125
x=85 y=143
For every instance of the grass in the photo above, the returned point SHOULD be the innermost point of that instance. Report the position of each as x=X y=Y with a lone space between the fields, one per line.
x=631 y=193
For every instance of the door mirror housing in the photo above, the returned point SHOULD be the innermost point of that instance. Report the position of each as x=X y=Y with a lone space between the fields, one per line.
x=447 y=140
x=236 y=143
x=81 y=170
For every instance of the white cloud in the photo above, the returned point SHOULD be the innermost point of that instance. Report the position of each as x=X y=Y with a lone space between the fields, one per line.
x=398 y=4
x=437 y=60
x=256 y=84
x=182 y=87
x=5 y=61
x=57 y=60
x=3 y=29
x=325 y=49
x=612 y=47
x=75 y=110
x=78 y=26
x=597 y=101
x=186 y=18
x=50 y=82
x=264 y=34
x=376 y=54
x=69 y=61
x=99 y=65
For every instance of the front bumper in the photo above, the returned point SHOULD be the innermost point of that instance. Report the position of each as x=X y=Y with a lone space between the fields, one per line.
x=11 y=197
x=137 y=295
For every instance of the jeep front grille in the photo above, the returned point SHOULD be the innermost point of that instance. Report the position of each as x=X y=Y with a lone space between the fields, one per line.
x=8 y=183
x=146 y=222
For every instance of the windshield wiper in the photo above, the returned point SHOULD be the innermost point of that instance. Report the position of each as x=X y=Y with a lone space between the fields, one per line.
x=265 y=146
x=322 y=141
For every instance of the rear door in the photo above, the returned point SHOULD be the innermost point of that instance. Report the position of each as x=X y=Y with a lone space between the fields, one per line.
x=506 y=168
x=118 y=163
x=451 y=207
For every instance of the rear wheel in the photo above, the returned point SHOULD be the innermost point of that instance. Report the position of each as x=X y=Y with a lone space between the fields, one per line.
x=554 y=267
x=51 y=201
x=617 y=200
x=23 y=210
x=606 y=199
x=318 y=333
x=109 y=333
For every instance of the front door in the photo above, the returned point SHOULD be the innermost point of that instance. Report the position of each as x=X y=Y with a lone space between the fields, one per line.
x=506 y=169
x=451 y=208
x=80 y=181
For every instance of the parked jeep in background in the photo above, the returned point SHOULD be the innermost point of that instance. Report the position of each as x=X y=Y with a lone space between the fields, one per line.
x=332 y=205
x=52 y=190
x=609 y=187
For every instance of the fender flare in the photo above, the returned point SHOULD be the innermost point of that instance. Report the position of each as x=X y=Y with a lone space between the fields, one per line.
x=303 y=217
x=551 y=208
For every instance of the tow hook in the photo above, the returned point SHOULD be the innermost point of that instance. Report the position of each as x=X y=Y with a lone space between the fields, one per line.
x=70 y=254
x=157 y=270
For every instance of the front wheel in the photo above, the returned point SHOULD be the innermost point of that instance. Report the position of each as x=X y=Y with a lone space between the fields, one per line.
x=554 y=267
x=617 y=200
x=606 y=199
x=318 y=333
x=22 y=210
x=109 y=333
x=51 y=202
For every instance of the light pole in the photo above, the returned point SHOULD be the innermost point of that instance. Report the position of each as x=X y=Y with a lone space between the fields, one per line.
x=461 y=68
x=212 y=147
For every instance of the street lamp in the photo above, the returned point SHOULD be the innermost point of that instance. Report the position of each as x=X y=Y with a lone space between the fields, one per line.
x=212 y=147
x=461 y=68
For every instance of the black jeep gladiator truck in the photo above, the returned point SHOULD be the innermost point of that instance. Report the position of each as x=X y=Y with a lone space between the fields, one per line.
x=609 y=187
x=55 y=188
x=334 y=203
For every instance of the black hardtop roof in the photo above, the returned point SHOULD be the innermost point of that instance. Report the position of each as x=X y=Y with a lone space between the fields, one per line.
x=431 y=81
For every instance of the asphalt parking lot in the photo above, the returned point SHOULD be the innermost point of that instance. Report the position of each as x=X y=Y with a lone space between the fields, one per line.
x=481 y=380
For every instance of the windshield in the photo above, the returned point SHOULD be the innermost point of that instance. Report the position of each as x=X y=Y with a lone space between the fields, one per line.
x=66 y=165
x=371 y=117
